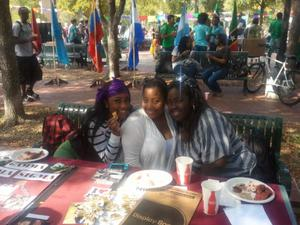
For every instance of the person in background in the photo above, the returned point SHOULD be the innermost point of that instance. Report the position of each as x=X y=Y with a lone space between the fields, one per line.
x=100 y=137
x=275 y=31
x=148 y=135
x=155 y=45
x=86 y=32
x=73 y=33
x=177 y=23
x=206 y=135
x=28 y=66
x=216 y=29
x=254 y=30
x=201 y=33
x=241 y=24
x=168 y=34
x=219 y=65
x=181 y=62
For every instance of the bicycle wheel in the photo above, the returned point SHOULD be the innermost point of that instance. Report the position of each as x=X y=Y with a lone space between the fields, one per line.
x=287 y=91
x=256 y=77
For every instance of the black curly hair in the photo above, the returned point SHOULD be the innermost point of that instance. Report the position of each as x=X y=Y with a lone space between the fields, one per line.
x=188 y=87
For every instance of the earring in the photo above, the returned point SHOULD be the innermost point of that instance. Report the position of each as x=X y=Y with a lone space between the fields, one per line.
x=194 y=107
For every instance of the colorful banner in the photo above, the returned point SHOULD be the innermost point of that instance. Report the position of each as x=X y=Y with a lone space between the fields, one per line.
x=136 y=38
x=57 y=35
x=37 y=43
x=95 y=36
x=233 y=32
x=183 y=27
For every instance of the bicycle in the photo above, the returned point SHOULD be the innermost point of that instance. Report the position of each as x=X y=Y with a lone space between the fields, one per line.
x=256 y=76
x=283 y=82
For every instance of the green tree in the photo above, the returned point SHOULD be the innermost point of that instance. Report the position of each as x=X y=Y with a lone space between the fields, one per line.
x=74 y=9
x=13 y=107
x=294 y=34
x=15 y=4
x=255 y=6
x=285 y=24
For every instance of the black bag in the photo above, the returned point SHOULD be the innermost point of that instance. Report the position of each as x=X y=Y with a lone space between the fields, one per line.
x=79 y=142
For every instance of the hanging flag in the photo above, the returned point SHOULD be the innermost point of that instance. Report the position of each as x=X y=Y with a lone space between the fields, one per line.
x=37 y=43
x=95 y=36
x=217 y=8
x=136 y=37
x=56 y=33
x=233 y=31
x=183 y=26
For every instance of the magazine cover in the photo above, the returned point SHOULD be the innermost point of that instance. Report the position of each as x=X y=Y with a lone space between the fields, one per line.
x=171 y=206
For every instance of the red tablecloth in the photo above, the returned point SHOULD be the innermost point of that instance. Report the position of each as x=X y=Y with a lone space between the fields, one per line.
x=74 y=188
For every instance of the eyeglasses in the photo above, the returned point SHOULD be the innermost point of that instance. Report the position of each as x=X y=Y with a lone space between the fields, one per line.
x=190 y=82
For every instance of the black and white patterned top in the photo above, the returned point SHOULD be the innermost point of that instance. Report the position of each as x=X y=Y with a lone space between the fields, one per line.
x=105 y=143
x=215 y=138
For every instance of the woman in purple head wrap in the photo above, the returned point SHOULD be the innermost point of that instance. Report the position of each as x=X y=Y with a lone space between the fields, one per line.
x=100 y=136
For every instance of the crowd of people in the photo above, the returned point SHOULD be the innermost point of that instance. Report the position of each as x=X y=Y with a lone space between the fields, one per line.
x=208 y=34
x=76 y=33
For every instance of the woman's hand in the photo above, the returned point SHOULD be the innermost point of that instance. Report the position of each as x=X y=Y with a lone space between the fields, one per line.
x=114 y=126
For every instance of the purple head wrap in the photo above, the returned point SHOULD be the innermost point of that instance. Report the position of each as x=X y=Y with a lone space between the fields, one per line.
x=114 y=88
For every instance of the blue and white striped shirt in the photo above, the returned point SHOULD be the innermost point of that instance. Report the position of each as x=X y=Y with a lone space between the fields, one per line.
x=215 y=138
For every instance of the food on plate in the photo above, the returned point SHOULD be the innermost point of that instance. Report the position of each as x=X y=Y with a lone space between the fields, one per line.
x=115 y=115
x=144 y=180
x=252 y=191
x=28 y=155
x=239 y=188
x=262 y=192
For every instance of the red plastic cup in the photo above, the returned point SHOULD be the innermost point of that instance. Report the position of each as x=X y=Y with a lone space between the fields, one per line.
x=183 y=170
x=211 y=196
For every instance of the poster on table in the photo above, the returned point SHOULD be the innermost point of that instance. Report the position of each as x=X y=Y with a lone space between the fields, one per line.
x=21 y=184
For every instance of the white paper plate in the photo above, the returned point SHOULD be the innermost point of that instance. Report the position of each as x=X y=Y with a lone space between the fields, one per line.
x=229 y=184
x=149 y=179
x=17 y=155
x=6 y=155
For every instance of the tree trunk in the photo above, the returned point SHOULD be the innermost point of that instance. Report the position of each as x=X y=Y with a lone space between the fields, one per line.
x=13 y=106
x=114 y=14
x=262 y=10
x=294 y=33
x=285 y=28
x=196 y=6
x=113 y=52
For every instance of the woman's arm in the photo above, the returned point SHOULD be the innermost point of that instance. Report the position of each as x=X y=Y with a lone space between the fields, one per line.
x=133 y=135
x=107 y=146
x=185 y=54
x=213 y=167
x=216 y=140
x=218 y=60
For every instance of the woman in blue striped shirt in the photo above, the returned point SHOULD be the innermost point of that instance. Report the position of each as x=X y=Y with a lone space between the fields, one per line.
x=205 y=134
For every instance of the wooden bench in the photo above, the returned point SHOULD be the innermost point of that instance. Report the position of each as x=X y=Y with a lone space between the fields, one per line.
x=238 y=69
x=271 y=127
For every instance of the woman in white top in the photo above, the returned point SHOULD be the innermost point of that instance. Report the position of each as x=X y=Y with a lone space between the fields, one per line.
x=148 y=135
